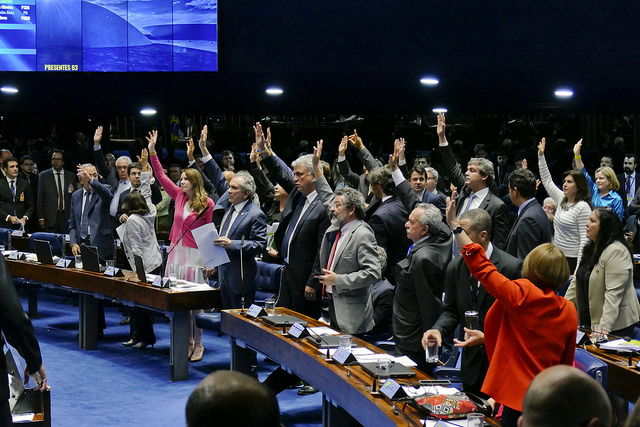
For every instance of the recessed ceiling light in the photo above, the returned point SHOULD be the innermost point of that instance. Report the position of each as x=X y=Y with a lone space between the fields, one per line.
x=429 y=81
x=274 y=91
x=10 y=90
x=564 y=93
x=439 y=110
x=148 y=111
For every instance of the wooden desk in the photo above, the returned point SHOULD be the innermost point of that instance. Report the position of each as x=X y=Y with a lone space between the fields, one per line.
x=174 y=304
x=622 y=379
x=340 y=393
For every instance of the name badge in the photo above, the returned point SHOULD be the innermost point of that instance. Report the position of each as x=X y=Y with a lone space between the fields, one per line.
x=22 y=197
x=256 y=311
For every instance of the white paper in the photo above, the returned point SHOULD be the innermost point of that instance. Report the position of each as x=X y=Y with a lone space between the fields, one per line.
x=213 y=255
x=323 y=330
x=620 y=345
x=356 y=351
x=374 y=357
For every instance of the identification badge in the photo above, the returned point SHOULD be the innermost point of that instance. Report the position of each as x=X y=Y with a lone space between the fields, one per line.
x=22 y=197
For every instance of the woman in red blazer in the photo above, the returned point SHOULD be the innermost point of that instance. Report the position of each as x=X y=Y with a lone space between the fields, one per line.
x=193 y=209
x=529 y=327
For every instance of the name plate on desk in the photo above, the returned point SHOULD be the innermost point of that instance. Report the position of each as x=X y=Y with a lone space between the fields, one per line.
x=17 y=233
x=298 y=331
x=113 y=272
x=344 y=356
x=582 y=338
x=64 y=263
x=392 y=390
x=161 y=282
x=256 y=311
x=17 y=255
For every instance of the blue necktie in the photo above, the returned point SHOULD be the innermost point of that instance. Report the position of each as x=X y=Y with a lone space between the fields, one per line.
x=409 y=250
x=284 y=250
x=13 y=190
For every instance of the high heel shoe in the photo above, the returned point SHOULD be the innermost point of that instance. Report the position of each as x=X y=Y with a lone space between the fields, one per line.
x=143 y=345
x=197 y=354
x=130 y=343
x=192 y=348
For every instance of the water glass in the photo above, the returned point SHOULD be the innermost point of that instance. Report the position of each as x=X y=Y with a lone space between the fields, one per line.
x=78 y=262
x=270 y=306
x=173 y=272
x=471 y=320
x=110 y=263
x=383 y=370
x=431 y=352
x=345 y=341
x=475 y=420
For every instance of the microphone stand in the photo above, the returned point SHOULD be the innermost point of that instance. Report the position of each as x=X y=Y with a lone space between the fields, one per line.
x=241 y=277
x=166 y=258
x=319 y=339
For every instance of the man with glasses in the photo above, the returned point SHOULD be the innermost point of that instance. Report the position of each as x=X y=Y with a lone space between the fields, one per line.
x=55 y=186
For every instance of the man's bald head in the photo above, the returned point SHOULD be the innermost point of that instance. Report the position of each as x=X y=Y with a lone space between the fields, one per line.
x=562 y=396
x=231 y=398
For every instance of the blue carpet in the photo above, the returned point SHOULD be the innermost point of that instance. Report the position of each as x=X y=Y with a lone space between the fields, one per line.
x=116 y=386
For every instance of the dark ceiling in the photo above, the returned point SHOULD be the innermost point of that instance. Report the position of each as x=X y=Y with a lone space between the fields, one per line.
x=362 y=57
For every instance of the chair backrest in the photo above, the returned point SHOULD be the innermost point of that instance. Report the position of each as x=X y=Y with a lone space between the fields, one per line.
x=5 y=237
x=55 y=240
x=594 y=367
x=268 y=280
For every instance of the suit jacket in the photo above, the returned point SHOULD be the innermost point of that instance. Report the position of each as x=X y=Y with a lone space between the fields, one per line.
x=420 y=281
x=622 y=191
x=47 y=199
x=530 y=229
x=355 y=180
x=99 y=219
x=110 y=176
x=491 y=203
x=458 y=299
x=145 y=190
x=17 y=329
x=304 y=244
x=387 y=224
x=22 y=204
x=410 y=198
x=613 y=303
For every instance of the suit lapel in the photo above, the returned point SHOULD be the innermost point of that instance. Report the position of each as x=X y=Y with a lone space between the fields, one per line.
x=241 y=216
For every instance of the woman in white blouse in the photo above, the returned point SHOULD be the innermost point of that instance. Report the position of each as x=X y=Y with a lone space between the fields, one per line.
x=572 y=214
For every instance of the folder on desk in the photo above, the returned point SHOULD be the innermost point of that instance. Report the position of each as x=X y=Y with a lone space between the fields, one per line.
x=283 y=320
x=397 y=370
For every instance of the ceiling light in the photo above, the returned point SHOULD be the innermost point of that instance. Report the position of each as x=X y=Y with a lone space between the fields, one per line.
x=9 y=90
x=564 y=93
x=148 y=111
x=439 y=110
x=274 y=91
x=429 y=81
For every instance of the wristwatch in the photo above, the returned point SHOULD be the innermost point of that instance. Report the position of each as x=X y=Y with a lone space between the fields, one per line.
x=458 y=230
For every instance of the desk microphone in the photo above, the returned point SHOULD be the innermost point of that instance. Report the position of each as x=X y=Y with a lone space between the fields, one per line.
x=164 y=266
x=318 y=339
x=284 y=327
x=242 y=277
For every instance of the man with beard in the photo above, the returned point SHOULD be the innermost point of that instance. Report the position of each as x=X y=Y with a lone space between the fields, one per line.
x=628 y=180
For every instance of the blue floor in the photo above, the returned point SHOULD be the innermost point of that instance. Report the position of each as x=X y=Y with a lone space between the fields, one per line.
x=116 y=386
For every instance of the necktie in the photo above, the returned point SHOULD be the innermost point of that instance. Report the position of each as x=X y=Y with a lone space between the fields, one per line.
x=13 y=190
x=409 y=250
x=471 y=199
x=84 y=221
x=224 y=230
x=454 y=247
x=333 y=250
x=60 y=197
x=284 y=250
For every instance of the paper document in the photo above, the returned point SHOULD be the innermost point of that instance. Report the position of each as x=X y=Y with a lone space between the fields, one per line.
x=213 y=255
x=621 y=345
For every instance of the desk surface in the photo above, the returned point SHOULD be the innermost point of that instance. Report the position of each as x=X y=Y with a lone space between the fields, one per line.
x=331 y=379
x=162 y=299
x=622 y=379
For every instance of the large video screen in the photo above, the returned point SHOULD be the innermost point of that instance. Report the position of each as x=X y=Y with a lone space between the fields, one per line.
x=108 y=35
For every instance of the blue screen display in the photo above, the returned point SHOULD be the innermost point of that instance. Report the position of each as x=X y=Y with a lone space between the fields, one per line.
x=108 y=35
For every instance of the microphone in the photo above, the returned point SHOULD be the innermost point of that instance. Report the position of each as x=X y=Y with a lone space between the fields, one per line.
x=164 y=263
x=318 y=340
x=242 y=278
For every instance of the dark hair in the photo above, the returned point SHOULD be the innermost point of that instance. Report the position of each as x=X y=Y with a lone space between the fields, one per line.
x=58 y=150
x=25 y=157
x=134 y=165
x=525 y=181
x=610 y=231
x=382 y=175
x=6 y=161
x=632 y=156
x=134 y=203
x=418 y=169
x=583 y=187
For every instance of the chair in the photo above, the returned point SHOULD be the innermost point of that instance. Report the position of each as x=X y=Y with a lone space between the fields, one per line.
x=5 y=237
x=593 y=366
x=55 y=240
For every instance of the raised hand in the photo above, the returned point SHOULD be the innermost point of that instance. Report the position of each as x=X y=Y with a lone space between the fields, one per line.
x=317 y=153
x=259 y=134
x=541 y=146
x=452 y=220
x=401 y=144
x=393 y=158
x=151 y=140
x=202 y=142
x=254 y=156
x=342 y=148
x=442 y=125
x=577 y=148
x=97 y=137
x=144 y=160
x=356 y=140
x=190 y=149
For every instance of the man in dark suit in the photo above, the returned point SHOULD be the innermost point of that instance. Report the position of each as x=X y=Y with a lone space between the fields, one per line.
x=28 y=172
x=54 y=195
x=18 y=331
x=420 y=282
x=463 y=293
x=16 y=200
x=474 y=187
x=369 y=163
x=387 y=222
x=89 y=222
x=628 y=180
x=531 y=227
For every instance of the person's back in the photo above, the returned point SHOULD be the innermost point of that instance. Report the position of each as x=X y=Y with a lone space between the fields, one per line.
x=229 y=398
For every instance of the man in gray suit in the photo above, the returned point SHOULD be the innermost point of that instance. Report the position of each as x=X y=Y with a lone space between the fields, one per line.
x=55 y=187
x=348 y=256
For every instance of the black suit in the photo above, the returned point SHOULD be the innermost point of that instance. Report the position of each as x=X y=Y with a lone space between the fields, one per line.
x=17 y=329
x=387 y=224
x=491 y=203
x=47 y=200
x=459 y=298
x=21 y=205
x=635 y=185
x=304 y=245
x=530 y=229
x=32 y=179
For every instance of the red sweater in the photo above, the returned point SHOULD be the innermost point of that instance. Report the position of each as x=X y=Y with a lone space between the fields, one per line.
x=526 y=330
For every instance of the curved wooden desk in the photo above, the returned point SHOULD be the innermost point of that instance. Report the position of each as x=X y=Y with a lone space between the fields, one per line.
x=172 y=303
x=342 y=390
